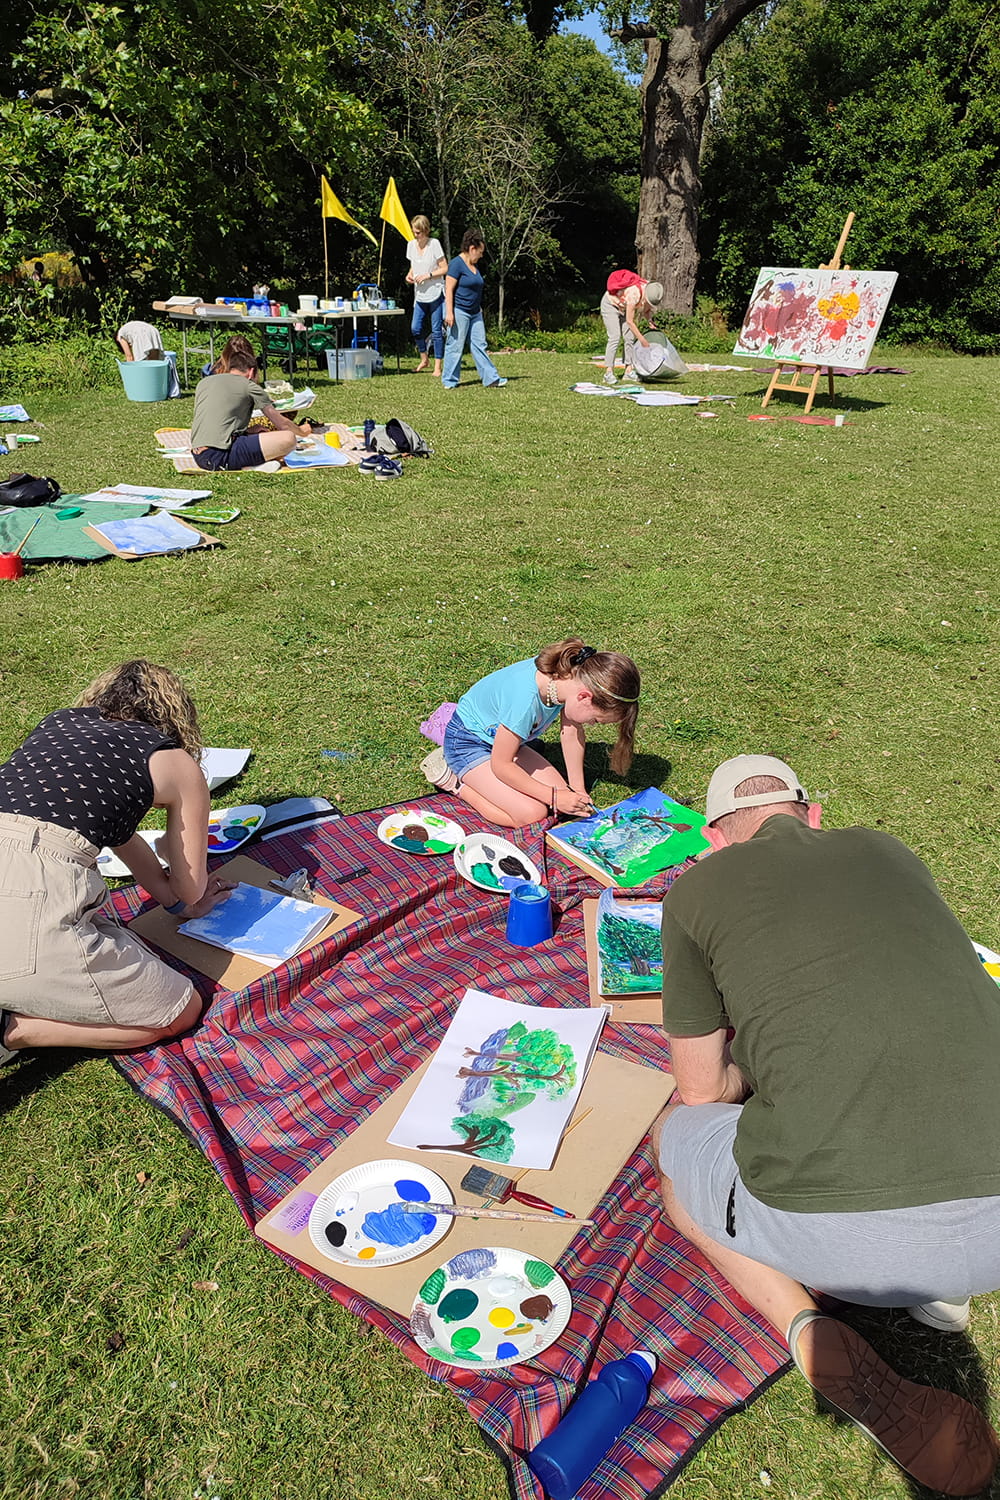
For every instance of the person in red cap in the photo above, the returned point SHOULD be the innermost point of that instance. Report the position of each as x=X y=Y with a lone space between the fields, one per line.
x=835 y=1043
x=627 y=298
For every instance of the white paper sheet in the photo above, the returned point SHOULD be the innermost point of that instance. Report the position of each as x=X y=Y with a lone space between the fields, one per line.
x=503 y=1083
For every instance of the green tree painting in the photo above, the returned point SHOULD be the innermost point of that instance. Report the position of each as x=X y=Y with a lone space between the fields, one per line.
x=484 y=1135
x=630 y=953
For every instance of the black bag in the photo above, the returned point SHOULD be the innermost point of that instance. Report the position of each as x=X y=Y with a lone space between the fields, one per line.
x=25 y=489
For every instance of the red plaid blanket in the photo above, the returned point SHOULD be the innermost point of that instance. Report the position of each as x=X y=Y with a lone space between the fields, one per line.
x=278 y=1073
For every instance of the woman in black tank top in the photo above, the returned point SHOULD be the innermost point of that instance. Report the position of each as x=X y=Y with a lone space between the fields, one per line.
x=86 y=777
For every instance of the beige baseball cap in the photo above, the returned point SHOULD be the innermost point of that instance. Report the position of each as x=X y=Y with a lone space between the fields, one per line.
x=725 y=778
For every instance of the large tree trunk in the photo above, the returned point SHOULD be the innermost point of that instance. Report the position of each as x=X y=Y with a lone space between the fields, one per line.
x=674 y=105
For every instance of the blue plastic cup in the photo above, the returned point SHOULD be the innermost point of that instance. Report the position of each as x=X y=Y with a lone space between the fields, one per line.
x=529 y=915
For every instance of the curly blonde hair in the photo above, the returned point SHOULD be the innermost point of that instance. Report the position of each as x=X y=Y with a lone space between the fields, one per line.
x=151 y=694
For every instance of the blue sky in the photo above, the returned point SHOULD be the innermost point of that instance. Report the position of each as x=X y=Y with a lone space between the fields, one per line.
x=590 y=26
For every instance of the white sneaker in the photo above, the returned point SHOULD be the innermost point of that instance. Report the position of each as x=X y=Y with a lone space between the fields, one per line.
x=946 y=1317
x=270 y=467
x=610 y=378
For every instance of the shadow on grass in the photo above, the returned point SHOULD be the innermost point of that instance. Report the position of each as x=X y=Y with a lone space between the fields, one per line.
x=821 y=407
x=948 y=1361
x=646 y=770
x=21 y=1079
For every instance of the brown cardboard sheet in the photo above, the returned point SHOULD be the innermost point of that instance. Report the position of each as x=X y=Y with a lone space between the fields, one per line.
x=229 y=970
x=617 y=1105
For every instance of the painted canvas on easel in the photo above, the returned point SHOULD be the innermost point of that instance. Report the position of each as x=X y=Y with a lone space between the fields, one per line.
x=815 y=317
x=503 y=1083
x=629 y=946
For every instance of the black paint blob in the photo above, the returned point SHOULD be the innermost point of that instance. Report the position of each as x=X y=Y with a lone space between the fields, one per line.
x=336 y=1233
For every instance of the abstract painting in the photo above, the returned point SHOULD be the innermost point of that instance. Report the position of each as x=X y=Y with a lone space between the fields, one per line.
x=503 y=1083
x=815 y=317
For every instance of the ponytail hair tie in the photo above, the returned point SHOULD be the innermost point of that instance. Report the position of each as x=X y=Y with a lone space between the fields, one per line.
x=584 y=654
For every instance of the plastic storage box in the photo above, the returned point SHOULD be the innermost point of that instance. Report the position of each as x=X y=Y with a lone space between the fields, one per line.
x=354 y=364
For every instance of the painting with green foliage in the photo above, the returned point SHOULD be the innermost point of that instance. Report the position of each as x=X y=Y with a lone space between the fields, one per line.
x=629 y=951
x=503 y=1082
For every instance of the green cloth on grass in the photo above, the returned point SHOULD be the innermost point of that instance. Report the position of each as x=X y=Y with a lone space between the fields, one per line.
x=55 y=541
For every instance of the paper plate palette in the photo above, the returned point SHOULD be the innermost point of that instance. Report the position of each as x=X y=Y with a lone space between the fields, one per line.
x=487 y=1309
x=108 y=863
x=494 y=864
x=358 y=1220
x=232 y=826
x=417 y=832
x=989 y=960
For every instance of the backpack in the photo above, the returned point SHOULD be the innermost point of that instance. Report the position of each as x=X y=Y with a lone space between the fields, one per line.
x=407 y=439
x=619 y=280
x=25 y=489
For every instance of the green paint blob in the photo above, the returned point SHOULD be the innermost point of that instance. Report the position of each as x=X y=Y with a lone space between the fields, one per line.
x=484 y=874
x=435 y=846
x=464 y=1339
x=433 y=1287
x=458 y=1305
x=538 y=1273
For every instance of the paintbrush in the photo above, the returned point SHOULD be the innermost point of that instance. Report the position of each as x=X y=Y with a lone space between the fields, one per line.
x=462 y=1211
x=17 y=550
x=487 y=1184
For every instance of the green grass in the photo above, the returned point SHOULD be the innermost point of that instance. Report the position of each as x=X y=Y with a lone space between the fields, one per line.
x=827 y=595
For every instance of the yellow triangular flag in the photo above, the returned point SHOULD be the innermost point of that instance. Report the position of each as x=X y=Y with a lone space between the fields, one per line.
x=332 y=208
x=393 y=213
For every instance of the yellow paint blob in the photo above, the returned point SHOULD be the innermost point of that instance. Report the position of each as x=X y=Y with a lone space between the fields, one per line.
x=502 y=1317
x=367 y=1253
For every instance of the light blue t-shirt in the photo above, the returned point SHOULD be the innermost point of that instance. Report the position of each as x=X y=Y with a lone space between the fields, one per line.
x=509 y=697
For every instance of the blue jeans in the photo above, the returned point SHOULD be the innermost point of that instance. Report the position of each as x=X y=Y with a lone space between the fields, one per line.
x=429 y=314
x=467 y=327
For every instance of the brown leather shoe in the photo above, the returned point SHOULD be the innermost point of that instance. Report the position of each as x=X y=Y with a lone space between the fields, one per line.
x=944 y=1442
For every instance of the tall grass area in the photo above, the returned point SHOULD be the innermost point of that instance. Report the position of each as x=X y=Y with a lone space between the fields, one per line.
x=824 y=594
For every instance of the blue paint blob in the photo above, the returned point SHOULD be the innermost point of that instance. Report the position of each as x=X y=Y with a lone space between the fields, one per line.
x=412 y=1192
x=394 y=1226
x=507 y=1351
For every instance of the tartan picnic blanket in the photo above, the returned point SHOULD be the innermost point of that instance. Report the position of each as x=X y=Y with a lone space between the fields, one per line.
x=278 y=1073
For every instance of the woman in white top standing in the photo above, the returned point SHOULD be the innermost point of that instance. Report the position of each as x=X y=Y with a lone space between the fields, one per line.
x=426 y=274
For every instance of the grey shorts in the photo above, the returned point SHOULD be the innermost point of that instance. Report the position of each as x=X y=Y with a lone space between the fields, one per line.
x=61 y=957
x=883 y=1258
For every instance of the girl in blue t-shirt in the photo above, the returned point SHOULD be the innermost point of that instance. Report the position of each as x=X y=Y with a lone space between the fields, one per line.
x=487 y=760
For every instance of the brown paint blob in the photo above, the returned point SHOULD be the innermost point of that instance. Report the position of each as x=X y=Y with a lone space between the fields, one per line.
x=537 y=1308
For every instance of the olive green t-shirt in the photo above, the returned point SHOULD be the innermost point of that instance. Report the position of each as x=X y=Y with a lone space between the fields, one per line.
x=223 y=405
x=864 y=1021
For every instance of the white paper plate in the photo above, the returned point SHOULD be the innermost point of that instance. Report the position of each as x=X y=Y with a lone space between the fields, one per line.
x=416 y=832
x=229 y=827
x=480 y=860
x=358 y=1210
x=110 y=864
x=487 y=1309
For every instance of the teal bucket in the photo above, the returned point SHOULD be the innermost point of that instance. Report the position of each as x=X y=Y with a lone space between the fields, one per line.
x=145 y=379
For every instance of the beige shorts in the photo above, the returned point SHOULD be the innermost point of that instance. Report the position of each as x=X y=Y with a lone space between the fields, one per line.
x=61 y=958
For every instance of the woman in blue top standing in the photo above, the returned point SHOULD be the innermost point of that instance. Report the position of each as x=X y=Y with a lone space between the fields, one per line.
x=463 y=315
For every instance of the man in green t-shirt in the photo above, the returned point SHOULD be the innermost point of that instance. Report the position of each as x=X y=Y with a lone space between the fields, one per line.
x=223 y=405
x=836 y=1046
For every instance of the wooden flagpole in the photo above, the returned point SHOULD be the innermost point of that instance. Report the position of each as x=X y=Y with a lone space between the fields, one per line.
x=378 y=278
x=326 y=265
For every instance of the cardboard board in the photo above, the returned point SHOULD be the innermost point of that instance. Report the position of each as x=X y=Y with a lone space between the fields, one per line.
x=229 y=970
x=619 y=1102
x=625 y=1009
x=203 y=541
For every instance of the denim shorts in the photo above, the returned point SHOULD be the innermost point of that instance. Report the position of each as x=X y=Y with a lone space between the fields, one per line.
x=463 y=750
x=244 y=452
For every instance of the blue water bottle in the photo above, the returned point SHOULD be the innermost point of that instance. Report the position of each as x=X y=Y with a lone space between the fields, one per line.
x=369 y=429
x=593 y=1424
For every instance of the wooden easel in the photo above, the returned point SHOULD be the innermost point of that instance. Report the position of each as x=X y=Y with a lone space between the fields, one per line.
x=816 y=371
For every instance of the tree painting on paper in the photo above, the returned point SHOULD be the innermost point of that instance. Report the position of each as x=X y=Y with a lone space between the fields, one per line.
x=513 y=1066
x=630 y=956
x=482 y=1135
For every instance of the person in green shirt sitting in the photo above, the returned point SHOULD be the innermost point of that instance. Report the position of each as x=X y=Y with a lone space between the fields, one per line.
x=223 y=406
x=835 y=1043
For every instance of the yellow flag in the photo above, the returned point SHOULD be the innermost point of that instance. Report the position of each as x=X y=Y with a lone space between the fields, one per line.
x=332 y=208
x=393 y=213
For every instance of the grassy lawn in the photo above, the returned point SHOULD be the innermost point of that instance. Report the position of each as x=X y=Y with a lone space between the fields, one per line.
x=823 y=594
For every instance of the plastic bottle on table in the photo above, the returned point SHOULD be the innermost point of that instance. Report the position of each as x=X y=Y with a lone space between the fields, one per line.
x=593 y=1424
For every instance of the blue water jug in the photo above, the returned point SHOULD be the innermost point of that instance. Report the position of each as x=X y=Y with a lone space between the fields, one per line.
x=593 y=1424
